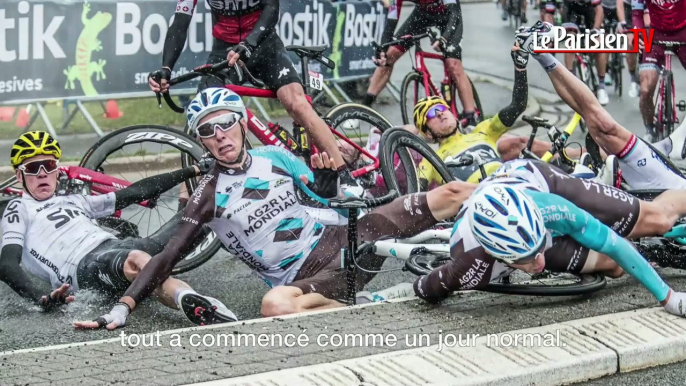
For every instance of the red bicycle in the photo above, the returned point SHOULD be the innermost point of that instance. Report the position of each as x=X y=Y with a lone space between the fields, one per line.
x=418 y=81
x=338 y=118
x=665 y=113
x=129 y=154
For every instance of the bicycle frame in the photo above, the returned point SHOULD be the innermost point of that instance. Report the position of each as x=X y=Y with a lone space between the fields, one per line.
x=100 y=183
x=402 y=248
x=419 y=65
x=267 y=137
x=666 y=68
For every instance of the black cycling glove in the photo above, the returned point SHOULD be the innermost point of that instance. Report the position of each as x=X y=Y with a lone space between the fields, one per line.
x=162 y=73
x=325 y=183
x=243 y=49
x=520 y=59
x=205 y=164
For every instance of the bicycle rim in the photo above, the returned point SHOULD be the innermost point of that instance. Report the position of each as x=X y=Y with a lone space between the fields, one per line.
x=619 y=84
x=411 y=90
x=356 y=122
x=548 y=284
x=668 y=122
x=517 y=283
x=138 y=152
x=394 y=141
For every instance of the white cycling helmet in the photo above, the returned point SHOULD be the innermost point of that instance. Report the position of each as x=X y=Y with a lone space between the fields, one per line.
x=210 y=100
x=506 y=223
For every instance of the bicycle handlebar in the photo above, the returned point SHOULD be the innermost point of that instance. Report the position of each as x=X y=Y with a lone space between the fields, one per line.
x=557 y=137
x=405 y=39
x=204 y=70
x=362 y=203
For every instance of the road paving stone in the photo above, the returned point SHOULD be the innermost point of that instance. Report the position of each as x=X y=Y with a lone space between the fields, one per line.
x=476 y=313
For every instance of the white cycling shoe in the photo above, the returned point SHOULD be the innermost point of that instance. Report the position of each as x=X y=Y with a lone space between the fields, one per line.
x=603 y=98
x=204 y=310
x=610 y=174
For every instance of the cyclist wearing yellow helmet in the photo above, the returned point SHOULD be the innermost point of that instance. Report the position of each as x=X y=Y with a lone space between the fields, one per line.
x=56 y=239
x=433 y=118
x=35 y=156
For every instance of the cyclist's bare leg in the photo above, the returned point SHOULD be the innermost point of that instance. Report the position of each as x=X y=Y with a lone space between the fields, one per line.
x=292 y=98
x=569 y=62
x=284 y=300
x=601 y=65
x=657 y=217
x=631 y=59
x=135 y=262
x=464 y=88
x=648 y=79
x=524 y=5
x=382 y=74
x=546 y=16
x=603 y=264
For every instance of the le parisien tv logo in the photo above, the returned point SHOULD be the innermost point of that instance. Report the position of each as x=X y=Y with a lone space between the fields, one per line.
x=563 y=40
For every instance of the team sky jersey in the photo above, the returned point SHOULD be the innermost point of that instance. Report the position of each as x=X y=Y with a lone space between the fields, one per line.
x=256 y=214
x=234 y=19
x=473 y=268
x=665 y=15
x=483 y=141
x=57 y=233
x=437 y=6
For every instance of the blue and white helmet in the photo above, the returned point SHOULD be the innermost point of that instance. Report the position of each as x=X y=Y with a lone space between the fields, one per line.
x=506 y=223
x=210 y=100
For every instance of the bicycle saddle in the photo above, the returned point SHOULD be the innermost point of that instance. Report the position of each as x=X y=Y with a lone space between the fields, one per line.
x=307 y=51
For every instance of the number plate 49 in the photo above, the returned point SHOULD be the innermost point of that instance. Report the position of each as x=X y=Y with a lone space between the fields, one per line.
x=316 y=80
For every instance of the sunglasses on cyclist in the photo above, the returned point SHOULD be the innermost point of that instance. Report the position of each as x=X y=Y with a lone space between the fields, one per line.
x=33 y=168
x=223 y=122
x=433 y=111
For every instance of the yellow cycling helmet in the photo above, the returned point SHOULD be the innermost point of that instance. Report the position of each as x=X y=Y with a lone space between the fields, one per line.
x=32 y=144
x=422 y=108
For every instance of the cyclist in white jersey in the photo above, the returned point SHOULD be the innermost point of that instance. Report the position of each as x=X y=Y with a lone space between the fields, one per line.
x=642 y=167
x=250 y=201
x=57 y=239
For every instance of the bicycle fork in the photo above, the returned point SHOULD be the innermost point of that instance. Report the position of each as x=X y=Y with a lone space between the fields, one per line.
x=298 y=143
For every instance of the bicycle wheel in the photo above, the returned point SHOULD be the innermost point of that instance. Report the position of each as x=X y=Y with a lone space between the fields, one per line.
x=646 y=194
x=618 y=66
x=136 y=152
x=668 y=116
x=582 y=71
x=477 y=101
x=518 y=283
x=412 y=83
x=593 y=77
x=393 y=142
x=361 y=125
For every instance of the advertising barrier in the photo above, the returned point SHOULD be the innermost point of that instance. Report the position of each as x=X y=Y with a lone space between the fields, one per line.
x=101 y=49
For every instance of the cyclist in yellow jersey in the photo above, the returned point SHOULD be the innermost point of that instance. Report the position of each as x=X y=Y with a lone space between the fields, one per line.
x=433 y=119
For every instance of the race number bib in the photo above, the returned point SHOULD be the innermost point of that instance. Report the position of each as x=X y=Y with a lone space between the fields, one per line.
x=316 y=80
